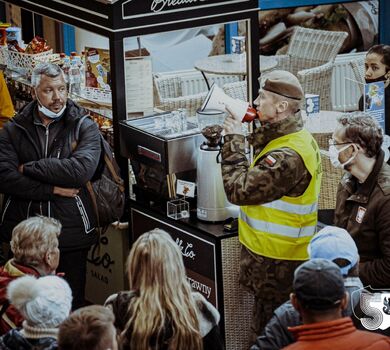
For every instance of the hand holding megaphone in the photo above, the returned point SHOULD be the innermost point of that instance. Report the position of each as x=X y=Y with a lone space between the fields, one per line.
x=240 y=110
x=232 y=125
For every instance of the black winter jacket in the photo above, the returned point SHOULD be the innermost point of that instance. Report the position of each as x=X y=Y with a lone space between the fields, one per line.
x=31 y=193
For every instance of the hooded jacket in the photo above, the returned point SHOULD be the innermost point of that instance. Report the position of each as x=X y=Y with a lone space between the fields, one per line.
x=48 y=161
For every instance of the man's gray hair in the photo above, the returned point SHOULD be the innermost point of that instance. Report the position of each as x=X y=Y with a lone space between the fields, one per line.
x=49 y=69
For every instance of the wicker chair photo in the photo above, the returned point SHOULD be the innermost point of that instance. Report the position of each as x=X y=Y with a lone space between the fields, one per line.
x=331 y=177
x=169 y=95
x=310 y=56
x=358 y=72
x=237 y=89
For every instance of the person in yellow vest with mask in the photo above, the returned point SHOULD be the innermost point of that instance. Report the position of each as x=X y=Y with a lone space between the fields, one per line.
x=277 y=192
x=6 y=106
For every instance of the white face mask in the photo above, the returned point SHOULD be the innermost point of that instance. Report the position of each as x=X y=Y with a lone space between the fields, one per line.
x=50 y=114
x=334 y=156
x=47 y=112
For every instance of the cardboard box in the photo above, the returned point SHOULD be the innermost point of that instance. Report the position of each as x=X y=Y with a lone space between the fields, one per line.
x=97 y=68
x=106 y=272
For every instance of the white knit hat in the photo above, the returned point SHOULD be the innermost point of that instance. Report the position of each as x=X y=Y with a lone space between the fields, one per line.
x=44 y=302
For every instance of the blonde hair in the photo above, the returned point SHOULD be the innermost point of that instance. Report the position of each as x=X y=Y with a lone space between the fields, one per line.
x=164 y=299
x=33 y=238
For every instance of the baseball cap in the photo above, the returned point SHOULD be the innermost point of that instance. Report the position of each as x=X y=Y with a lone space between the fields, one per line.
x=334 y=243
x=282 y=83
x=318 y=284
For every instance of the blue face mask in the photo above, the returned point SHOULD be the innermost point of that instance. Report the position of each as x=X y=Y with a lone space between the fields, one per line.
x=47 y=112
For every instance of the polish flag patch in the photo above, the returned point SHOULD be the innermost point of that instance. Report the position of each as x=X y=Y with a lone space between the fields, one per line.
x=360 y=214
x=270 y=160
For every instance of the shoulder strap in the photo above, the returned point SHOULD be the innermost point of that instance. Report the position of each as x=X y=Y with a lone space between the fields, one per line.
x=77 y=131
x=88 y=184
x=4 y=308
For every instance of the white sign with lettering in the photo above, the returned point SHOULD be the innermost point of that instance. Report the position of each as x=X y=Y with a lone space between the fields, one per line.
x=139 y=84
x=159 y=5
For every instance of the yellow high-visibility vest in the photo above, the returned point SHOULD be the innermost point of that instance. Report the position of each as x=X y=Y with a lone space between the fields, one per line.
x=283 y=228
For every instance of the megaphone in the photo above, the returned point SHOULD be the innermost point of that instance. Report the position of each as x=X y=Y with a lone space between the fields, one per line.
x=217 y=99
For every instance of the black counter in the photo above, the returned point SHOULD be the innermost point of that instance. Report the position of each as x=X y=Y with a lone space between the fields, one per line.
x=212 y=230
x=211 y=258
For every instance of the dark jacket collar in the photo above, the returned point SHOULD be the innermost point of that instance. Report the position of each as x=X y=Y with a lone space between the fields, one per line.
x=362 y=192
x=268 y=132
x=25 y=117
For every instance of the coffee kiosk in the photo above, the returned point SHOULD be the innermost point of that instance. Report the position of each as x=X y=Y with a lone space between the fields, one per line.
x=211 y=255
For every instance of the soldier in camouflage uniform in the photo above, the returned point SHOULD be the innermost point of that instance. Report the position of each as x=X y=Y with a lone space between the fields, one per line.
x=280 y=173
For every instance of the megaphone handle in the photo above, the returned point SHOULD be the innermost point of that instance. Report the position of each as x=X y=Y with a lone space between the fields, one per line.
x=218 y=158
x=205 y=79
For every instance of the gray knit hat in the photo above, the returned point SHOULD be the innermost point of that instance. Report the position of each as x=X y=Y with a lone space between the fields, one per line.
x=44 y=302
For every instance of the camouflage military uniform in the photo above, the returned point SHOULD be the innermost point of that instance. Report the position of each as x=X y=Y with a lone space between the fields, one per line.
x=269 y=279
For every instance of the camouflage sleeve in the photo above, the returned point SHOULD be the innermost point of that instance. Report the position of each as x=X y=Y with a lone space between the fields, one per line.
x=270 y=179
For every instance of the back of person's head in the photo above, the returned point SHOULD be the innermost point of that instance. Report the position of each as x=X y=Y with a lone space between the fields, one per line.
x=157 y=274
x=382 y=50
x=318 y=288
x=34 y=240
x=360 y=128
x=336 y=244
x=44 y=302
x=88 y=328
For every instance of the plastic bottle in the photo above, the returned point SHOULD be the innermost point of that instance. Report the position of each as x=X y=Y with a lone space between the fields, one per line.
x=66 y=68
x=82 y=69
x=74 y=77
x=183 y=118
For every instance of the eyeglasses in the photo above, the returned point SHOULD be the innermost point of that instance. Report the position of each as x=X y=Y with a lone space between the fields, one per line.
x=333 y=142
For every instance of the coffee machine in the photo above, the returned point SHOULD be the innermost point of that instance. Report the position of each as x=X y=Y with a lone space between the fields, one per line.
x=212 y=204
x=160 y=152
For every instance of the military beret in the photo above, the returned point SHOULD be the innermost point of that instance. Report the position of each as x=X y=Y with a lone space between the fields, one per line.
x=283 y=83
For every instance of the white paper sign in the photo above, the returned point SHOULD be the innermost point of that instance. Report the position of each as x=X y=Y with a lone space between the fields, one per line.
x=139 y=84
x=185 y=188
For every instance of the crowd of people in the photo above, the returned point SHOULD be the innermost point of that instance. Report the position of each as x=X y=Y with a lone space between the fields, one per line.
x=278 y=193
x=308 y=284
x=159 y=311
